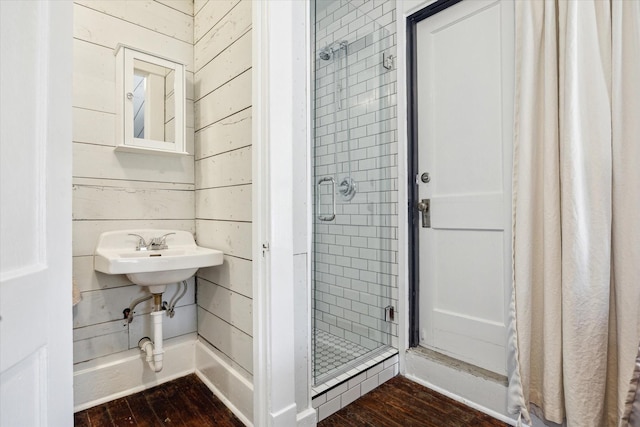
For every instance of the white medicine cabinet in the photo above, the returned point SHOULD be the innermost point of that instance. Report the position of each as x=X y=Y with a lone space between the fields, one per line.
x=150 y=103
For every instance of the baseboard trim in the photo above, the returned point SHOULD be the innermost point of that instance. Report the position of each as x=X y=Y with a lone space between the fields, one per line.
x=108 y=379
x=479 y=393
x=235 y=391
x=307 y=418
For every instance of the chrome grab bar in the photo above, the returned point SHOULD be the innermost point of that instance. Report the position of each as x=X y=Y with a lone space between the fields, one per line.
x=322 y=217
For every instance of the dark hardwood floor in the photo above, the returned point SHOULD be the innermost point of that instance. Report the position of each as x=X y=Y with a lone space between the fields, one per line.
x=402 y=403
x=182 y=402
x=188 y=402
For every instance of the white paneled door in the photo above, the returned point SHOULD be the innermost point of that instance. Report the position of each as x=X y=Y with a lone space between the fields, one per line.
x=36 y=366
x=465 y=79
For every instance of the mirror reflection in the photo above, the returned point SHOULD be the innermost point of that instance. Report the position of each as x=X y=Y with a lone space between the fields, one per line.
x=153 y=111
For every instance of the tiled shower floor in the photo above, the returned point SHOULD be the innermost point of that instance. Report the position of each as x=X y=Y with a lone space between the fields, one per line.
x=332 y=352
x=336 y=360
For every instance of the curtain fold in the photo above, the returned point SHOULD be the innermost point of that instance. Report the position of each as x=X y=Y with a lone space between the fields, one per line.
x=626 y=190
x=576 y=296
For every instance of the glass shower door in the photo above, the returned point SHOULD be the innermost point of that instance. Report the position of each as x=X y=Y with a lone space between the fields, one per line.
x=354 y=186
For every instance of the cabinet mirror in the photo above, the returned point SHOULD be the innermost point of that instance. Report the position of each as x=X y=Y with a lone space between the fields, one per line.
x=150 y=101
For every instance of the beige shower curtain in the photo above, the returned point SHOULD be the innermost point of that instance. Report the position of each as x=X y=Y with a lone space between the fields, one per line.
x=575 y=321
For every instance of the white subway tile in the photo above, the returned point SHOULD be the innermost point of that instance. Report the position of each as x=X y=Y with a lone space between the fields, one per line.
x=317 y=401
x=375 y=370
x=353 y=382
x=350 y=395
x=387 y=374
x=328 y=408
x=337 y=391
x=369 y=384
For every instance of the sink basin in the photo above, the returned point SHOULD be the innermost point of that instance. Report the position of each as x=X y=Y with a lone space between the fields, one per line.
x=116 y=254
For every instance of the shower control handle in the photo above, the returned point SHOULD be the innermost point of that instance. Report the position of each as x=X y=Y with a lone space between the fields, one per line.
x=424 y=206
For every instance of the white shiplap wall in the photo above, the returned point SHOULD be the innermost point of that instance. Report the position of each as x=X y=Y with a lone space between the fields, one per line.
x=117 y=190
x=222 y=94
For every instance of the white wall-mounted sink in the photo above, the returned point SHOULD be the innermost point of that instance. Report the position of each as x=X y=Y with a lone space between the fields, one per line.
x=116 y=254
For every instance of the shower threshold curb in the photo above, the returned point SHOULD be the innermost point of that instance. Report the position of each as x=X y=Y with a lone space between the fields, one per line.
x=337 y=393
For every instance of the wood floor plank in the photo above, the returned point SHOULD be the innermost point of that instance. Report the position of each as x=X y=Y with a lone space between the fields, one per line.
x=99 y=416
x=365 y=414
x=179 y=393
x=81 y=419
x=120 y=413
x=142 y=412
x=182 y=402
x=209 y=405
x=337 y=420
x=425 y=402
x=412 y=411
x=400 y=401
x=437 y=409
x=162 y=407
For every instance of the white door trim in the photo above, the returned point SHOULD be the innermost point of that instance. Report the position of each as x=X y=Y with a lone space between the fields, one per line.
x=279 y=83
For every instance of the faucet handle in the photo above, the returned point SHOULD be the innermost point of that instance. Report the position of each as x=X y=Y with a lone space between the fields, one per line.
x=158 y=243
x=142 y=244
x=163 y=238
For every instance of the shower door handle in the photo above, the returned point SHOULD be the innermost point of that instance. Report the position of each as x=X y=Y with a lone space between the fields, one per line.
x=322 y=217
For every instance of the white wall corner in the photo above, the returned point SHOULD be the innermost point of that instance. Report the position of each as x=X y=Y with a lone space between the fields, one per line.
x=260 y=117
x=279 y=79
x=234 y=390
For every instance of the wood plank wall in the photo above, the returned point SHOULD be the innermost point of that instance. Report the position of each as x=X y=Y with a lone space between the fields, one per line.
x=222 y=94
x=116 y=190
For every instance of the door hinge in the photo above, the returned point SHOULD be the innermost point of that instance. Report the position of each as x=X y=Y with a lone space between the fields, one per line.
x=387 y=61
x=265 y=247
x=389 y=313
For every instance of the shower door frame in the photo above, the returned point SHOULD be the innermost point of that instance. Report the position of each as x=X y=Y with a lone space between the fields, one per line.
x=385 y=300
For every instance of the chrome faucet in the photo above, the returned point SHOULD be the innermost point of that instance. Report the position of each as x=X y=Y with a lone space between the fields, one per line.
x=159 y=243
x=155 y=244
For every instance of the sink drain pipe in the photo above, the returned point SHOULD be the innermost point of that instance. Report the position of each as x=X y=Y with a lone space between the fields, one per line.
x=153 y=349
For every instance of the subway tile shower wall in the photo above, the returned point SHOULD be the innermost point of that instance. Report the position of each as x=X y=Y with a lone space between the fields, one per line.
x=355 y=265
